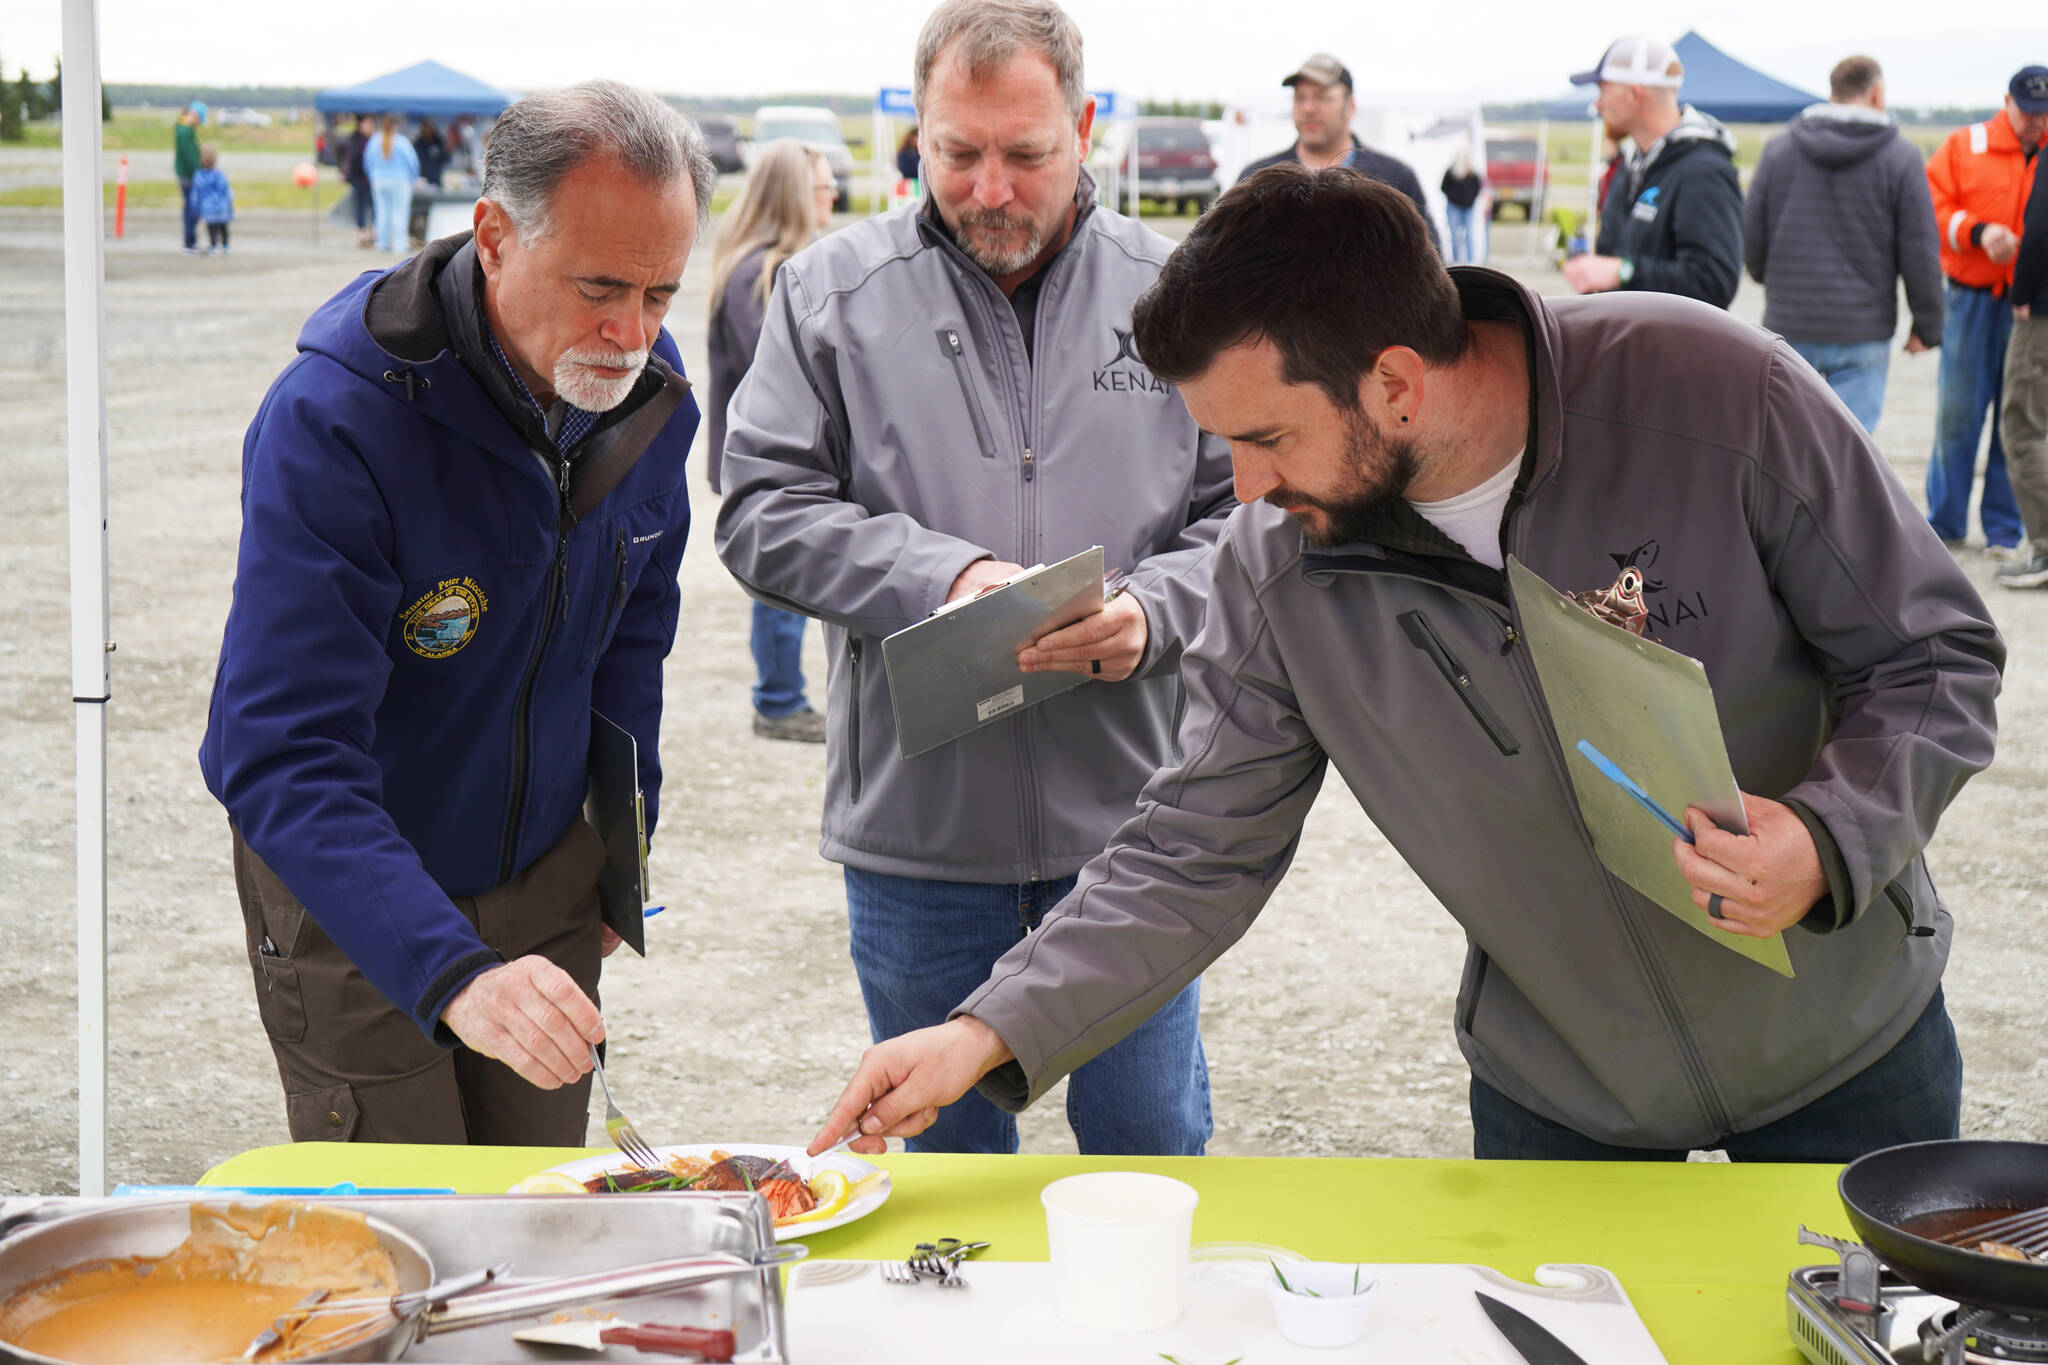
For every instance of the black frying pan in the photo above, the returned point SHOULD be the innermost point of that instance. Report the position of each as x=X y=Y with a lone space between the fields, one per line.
x=1889 y=1187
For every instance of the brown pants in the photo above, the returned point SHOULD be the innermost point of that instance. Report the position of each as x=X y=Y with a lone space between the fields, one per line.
x=356 y=1068
x=2023 y=425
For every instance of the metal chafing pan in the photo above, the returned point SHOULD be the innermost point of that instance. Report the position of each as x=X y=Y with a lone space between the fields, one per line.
x=544 y=1237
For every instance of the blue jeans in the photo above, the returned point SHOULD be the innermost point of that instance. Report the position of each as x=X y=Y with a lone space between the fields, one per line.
x=778 y=644
x=1973 y=341
x=1914 y=1093
x=392 y=198
x=1460 y=222
x=921 y=947
x=1855 y=370
x=191 y=214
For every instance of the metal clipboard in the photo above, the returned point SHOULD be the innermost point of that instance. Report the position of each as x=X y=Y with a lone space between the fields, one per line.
x=617 y=809
x=1651 y=710
x=956 y=670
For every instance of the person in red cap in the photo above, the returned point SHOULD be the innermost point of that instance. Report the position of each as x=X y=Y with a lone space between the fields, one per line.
x=1672 y=222
x=1325 y=103
x=1980 y=176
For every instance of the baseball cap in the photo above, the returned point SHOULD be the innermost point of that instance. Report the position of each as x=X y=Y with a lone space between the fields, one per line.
x=2029 y=89
x=1323 y=69
x=1635 y=60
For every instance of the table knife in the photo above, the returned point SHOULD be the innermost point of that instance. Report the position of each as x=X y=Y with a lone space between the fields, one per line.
x=595 y=1335
x=1537 y=1344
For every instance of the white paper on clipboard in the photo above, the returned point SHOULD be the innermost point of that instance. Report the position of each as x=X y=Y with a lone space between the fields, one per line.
x=956 y=670
x=1650 y=710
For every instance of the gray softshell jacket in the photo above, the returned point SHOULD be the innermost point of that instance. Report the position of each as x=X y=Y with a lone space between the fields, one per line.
x=1853 y=666
x=891 y=432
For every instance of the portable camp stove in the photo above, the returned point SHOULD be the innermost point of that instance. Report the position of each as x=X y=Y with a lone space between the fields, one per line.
x=1857 y=1312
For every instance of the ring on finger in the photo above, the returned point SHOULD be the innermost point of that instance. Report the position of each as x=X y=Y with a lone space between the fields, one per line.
x=1095 y=665
x=1714 y=906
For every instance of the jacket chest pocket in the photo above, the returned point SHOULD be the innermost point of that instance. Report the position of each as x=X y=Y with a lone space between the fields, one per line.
x=962 y=366
x=614 y=585
x=1424 y=637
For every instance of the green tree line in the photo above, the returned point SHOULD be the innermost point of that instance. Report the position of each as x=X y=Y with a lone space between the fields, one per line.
x=25 y=99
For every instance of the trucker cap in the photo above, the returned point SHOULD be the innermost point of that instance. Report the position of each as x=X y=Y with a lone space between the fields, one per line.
x=1323 y=69
x=2029 y=89
x=1635 y=60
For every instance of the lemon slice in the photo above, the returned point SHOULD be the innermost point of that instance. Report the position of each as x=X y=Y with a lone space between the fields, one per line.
x=834 y=1192
x=868 y=1182
x=548 y=1182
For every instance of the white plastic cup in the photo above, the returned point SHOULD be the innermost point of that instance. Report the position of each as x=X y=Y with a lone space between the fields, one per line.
x=1325 y=1305
x=1119 y=1242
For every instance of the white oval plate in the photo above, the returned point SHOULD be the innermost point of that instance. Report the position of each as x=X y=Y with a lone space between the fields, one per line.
x=848 y=1165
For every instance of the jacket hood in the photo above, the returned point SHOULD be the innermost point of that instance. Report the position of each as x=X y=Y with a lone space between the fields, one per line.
x=1836 y=135
x=1694 y=131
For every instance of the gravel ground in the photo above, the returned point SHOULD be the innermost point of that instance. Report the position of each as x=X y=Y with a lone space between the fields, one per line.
x=1328 y=1028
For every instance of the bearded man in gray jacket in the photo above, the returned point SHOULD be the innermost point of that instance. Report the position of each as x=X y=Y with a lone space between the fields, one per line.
x=1397 y=431
x=942 y=395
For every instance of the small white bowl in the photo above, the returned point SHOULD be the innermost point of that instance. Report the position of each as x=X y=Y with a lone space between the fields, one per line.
x=1333 y=1315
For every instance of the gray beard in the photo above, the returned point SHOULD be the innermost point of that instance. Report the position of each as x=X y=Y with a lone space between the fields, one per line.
x=999 y=262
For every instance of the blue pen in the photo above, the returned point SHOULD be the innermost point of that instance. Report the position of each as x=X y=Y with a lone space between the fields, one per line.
x=1627 y=784
x=651 y=911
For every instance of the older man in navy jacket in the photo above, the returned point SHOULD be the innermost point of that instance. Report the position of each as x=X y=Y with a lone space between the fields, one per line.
x=463 y=511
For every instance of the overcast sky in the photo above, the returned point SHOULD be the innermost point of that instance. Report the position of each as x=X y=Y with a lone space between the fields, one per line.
x=1933 y=53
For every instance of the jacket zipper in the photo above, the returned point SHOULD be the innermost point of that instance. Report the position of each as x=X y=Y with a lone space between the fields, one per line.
x=1424 y=637
x=1660 y=988
x=949 y=342
x=1638 y=938
x=853 y=714
x=557 y=591
x=1903 y=903
x=615 y=593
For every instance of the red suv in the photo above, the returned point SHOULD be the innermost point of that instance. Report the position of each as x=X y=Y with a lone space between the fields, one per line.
x=1511 y=170
x=1175 y=164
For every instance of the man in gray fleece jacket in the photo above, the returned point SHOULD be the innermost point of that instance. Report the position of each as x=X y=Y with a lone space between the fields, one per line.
x=1838 y=211
x=940 y=395
x=1396 y=432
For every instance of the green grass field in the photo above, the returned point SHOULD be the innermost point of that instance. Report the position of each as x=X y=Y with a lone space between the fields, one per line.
x=138 y=129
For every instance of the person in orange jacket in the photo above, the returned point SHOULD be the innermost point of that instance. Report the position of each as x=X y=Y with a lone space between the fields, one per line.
x=1980 y=177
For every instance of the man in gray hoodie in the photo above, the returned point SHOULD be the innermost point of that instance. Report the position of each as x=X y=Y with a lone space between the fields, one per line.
x=940 y=395
x=1838 y=212
x=1397 y=431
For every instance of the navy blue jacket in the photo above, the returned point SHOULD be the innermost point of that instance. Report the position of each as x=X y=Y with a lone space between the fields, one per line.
x=428 y=604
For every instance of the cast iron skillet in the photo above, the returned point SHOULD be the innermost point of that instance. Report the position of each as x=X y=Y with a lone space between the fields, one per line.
x=1888 y=1187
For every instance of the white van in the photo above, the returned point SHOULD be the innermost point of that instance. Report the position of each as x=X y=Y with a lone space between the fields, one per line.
x=813 y=126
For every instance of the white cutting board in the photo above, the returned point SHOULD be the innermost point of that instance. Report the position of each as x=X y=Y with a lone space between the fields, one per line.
x=837 y=1316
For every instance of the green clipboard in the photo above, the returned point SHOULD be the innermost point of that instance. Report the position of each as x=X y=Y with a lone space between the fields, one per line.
x=1649 y=709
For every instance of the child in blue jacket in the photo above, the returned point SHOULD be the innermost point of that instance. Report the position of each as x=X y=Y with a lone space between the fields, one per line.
x=214 y=199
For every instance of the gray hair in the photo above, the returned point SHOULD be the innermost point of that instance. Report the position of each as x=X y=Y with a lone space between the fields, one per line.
x=539 y=140
x=991 y=32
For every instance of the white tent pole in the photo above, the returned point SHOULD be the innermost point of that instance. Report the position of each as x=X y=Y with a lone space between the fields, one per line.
x=1539 y=194
x=85 y=379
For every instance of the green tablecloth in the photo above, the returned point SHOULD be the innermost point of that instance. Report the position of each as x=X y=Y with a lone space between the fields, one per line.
x=1702 y=1248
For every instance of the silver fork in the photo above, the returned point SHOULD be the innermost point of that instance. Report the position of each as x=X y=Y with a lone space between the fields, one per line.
x=619 y=1128
x=898 y=1272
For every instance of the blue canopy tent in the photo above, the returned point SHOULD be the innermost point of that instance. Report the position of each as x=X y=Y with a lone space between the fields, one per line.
x=423 y=90
x=1717 y=85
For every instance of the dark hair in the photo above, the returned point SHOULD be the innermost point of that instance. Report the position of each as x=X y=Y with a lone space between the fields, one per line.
x=1330 y=266
x=1853 y=77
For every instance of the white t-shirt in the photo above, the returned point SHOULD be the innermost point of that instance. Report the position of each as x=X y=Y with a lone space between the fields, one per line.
x=1473 y=517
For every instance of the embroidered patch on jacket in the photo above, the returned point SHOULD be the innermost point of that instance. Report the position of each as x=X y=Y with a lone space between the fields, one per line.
x=445 y=619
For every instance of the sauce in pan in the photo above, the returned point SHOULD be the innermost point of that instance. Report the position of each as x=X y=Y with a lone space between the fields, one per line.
x=209 y=1298
x=1947 y=1222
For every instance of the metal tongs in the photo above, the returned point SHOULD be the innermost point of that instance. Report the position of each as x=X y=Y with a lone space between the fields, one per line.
x=399 y=1306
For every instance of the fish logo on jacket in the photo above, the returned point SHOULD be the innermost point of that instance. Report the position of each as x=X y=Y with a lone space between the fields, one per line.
x=445 y=619
x=1109 y=379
